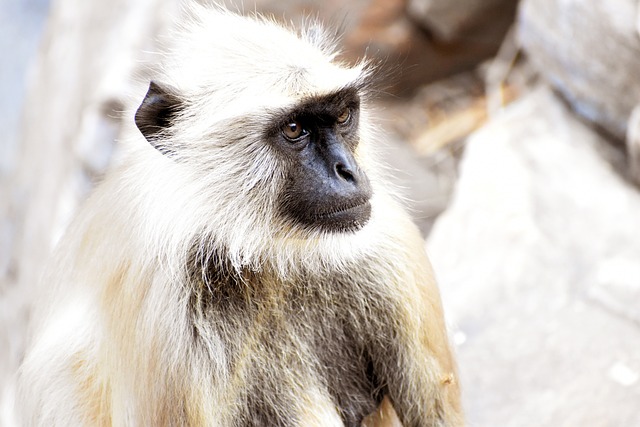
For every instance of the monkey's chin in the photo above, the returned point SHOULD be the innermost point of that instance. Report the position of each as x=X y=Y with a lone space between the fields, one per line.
x=348 y=220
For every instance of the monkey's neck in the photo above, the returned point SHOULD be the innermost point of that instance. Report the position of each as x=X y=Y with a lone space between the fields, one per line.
x=216 y=282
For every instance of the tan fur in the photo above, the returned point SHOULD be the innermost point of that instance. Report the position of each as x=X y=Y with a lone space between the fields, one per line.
x=125 y=334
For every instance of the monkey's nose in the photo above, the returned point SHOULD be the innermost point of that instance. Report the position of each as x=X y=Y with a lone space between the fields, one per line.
x=343 y=165
x=345 y=172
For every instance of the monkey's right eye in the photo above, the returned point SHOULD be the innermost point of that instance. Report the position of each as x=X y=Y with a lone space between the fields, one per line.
x=294 y=131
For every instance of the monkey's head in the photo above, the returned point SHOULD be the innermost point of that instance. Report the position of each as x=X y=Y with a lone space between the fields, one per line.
x=268 y=126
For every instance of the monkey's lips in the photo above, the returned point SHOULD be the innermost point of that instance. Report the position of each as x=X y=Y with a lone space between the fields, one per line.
x=350 y=217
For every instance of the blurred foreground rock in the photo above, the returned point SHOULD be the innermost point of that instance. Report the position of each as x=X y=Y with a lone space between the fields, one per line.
x=72 y=116
x=537 y=258
x=21 y=25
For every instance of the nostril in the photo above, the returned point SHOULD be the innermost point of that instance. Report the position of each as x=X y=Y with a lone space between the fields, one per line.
x=344 y=172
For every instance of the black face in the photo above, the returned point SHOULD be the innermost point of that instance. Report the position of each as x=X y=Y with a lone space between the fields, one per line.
x=325 y=187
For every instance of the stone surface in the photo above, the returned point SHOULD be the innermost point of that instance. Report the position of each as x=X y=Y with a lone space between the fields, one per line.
x=410 y=55
x=590 y=52
x=21 y=24
x=638 y=20
x=633 y=144
x=538 y=258
x=425 y=183
x=450 y=19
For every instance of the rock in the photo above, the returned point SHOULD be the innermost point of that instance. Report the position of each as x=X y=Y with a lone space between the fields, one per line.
x=590 y=52
x=449 y=19
x=538 y=259
x=21 y=25
x=408 y=53
x=638 y=21
x=633 y=145
x=424 y=183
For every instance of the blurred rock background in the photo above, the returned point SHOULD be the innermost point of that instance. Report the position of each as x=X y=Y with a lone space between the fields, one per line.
x=512 y=126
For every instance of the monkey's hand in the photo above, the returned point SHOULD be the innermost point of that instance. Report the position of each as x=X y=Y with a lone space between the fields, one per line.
x=384 y=416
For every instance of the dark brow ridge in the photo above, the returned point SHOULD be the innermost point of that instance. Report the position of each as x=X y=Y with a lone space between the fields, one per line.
x=331 y=105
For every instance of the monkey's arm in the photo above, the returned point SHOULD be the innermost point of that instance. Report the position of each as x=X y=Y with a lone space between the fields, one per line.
x=416 y=366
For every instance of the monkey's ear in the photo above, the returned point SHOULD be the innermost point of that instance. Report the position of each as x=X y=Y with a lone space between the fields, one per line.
x=156 y=113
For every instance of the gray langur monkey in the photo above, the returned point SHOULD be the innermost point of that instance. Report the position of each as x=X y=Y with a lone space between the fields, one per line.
x=245 y=263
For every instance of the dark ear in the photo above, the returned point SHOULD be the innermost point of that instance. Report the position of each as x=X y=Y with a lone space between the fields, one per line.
x=156 y=113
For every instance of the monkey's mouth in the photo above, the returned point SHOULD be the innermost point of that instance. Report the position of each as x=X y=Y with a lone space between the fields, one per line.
x=349 y=217
x=343 y=209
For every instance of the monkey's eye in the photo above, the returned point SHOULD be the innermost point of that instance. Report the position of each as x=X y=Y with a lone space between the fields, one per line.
x=294 y=131
x=344 y=117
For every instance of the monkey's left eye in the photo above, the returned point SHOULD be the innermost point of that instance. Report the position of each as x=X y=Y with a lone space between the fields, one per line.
x=294 y=131
x=344 y=117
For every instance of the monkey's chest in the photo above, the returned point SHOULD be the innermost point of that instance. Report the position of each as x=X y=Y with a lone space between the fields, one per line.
x=302 y=368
